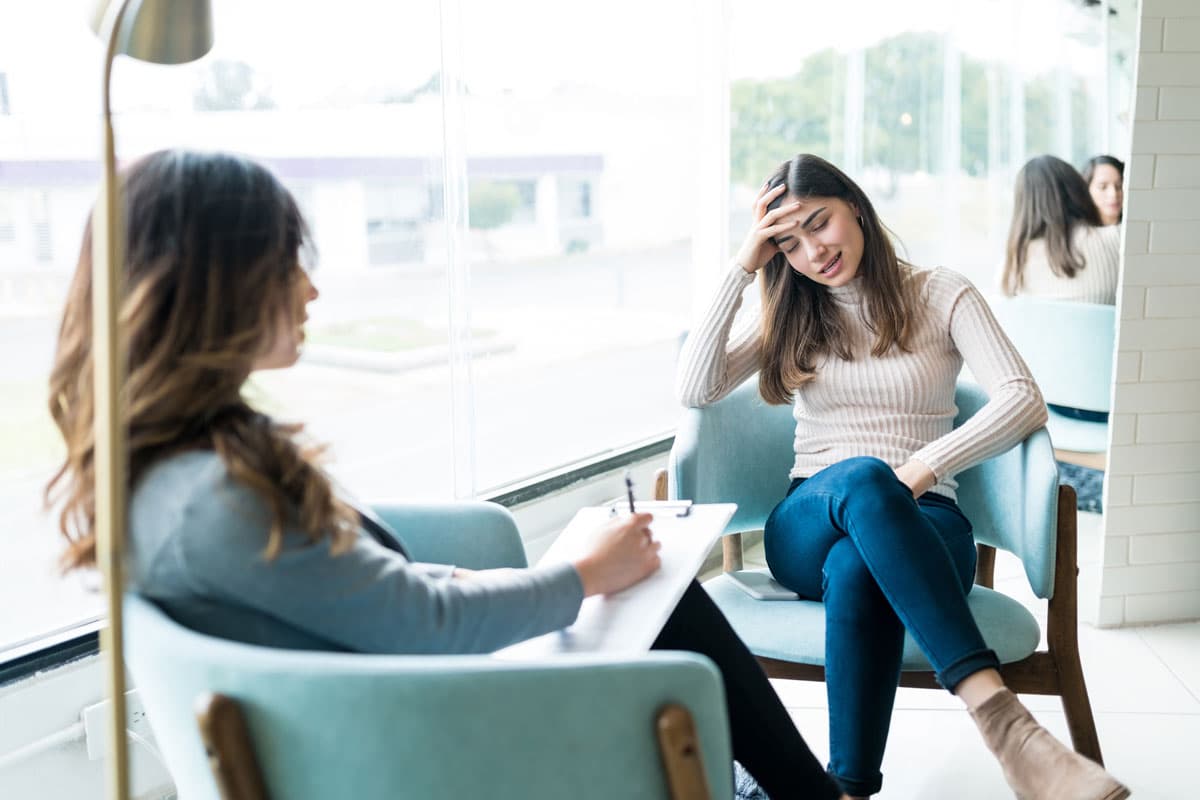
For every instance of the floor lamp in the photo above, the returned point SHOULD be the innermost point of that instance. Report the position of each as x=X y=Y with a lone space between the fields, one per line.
x=162 y=32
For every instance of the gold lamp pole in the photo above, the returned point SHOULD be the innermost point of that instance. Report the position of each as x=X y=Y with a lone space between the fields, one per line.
x=162 y=32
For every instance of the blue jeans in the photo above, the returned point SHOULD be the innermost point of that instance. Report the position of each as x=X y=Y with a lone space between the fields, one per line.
x=853 y=537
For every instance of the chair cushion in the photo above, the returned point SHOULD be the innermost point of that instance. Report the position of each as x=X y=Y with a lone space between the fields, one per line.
x=794 y=630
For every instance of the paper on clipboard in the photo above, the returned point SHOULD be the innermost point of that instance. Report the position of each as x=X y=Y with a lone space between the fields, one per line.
x=626 y=623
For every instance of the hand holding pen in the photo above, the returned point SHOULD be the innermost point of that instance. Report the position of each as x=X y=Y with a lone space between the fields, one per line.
x=625 y=553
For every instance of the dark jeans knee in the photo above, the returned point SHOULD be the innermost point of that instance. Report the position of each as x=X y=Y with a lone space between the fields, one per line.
x=850 y=591
x=862 y=471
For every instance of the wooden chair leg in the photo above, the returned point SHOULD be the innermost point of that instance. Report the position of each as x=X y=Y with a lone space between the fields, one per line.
x=229 y=748
x=1078 y=708
x=985 y=565
x=1062 y=631
x=679 y=748
x=731 y=553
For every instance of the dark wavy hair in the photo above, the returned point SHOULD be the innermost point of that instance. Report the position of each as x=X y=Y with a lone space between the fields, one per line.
x=1051 y=200
x=212 y=248
x=800 y=320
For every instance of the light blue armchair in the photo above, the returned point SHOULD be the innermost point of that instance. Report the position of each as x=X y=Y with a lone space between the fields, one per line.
x=740 y=450
x=1069 y=348
x=332 y=725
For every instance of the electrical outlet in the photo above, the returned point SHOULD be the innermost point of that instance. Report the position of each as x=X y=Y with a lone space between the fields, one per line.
x=96 y=724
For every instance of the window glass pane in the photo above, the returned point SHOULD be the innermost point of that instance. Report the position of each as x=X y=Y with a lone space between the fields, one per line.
x=582 y=205
x=48 y=140
x=360 y=146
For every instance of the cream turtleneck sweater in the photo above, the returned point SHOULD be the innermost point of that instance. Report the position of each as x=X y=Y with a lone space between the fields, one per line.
x=895 y=407
x=1095 y=283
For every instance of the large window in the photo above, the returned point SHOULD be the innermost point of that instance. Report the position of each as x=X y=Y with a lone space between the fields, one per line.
x=518 y=205
x=503 y=213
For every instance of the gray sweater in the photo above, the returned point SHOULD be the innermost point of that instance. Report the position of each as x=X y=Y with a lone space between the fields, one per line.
x=196 y=539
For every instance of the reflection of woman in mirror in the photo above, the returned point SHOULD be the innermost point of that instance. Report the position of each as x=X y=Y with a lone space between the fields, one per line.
x=1058 y=246
x=234 y=527
x=868 y=350
x=1105 y=176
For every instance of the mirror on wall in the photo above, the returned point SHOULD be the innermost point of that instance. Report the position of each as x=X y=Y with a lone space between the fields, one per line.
x=934 y=108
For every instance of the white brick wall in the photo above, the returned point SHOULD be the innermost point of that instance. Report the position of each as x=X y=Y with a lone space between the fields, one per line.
x=1150 y=569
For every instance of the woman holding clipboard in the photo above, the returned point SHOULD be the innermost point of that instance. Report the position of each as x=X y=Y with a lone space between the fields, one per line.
x=236 y=530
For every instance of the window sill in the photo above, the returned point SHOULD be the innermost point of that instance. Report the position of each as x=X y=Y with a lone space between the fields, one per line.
x=51 y=651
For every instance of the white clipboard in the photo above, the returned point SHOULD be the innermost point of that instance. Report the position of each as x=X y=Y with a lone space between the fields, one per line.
x=626 y=623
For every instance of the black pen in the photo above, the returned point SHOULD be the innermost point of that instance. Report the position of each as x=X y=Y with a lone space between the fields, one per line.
x=629 y=491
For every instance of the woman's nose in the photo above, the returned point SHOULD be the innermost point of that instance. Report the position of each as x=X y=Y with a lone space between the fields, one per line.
x=307 y=290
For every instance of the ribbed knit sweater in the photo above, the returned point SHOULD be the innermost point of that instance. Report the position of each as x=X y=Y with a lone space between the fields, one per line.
x=895 y=407
x=1095 y=283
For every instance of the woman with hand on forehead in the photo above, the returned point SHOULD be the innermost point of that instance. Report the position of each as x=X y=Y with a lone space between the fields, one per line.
x=868 y=349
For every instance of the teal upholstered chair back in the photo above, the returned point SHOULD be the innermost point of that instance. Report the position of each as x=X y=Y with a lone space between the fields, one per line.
x=740 y=449
x=1069 y=348
x=336 y=725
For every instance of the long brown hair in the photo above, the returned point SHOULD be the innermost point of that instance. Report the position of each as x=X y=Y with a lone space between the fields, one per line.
x=211 y=261
x=1051 y=200
x=801 y=322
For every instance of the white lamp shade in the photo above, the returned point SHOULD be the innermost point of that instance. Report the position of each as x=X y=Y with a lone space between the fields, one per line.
x=161 y=31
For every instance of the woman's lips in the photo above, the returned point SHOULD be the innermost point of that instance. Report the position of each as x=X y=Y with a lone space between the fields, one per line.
x=833 y=266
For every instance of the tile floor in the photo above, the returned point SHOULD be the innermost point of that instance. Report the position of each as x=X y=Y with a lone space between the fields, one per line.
x=1144 y=685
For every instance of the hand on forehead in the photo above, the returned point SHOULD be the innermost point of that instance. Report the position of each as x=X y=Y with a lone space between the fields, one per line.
x=810 y=211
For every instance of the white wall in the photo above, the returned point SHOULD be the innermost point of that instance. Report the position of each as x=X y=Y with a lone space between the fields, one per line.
x=1151 y=566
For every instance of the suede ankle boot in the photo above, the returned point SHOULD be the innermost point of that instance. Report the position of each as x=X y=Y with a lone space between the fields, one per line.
x=1036 y=765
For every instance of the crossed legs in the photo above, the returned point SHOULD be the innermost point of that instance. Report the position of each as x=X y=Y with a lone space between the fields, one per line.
x=853 y=536
x=883 y=562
